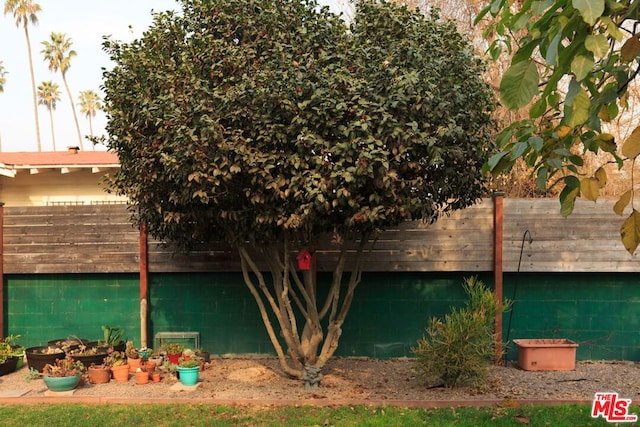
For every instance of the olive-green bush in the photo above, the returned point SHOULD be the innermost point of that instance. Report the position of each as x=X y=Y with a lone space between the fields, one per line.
x=459 y=348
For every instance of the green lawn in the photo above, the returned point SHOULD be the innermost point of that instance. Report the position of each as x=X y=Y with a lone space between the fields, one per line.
x=52 y=415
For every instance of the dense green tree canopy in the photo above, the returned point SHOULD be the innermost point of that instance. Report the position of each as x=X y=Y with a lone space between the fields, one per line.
x=573 y=64
x=270 y=123
x=251 y=118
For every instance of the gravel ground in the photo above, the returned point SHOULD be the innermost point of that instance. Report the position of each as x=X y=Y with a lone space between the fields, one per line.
x=358 y=380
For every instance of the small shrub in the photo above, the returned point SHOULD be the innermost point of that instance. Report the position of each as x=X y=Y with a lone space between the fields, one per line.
x=32 y=374
x=173 y=348
x=189 y=363
x=459 y=349
x=66 y=367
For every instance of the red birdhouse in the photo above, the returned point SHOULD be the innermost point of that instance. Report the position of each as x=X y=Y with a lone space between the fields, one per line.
x=304 y=260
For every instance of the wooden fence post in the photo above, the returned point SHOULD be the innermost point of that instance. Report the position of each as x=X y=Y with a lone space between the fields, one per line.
x=2 y=270
x=144 y=287
x=498 y=237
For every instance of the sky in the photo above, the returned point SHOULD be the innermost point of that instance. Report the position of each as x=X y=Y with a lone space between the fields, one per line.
x=85 y=22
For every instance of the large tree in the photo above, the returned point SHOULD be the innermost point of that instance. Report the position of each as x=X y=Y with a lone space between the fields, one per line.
x=573 y=65
x=49 y=95
x=26 y=12
x=57 y=51
x=273 y=126
x=90 y=103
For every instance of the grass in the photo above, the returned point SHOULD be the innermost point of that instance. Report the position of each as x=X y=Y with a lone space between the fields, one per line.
x=53 y=415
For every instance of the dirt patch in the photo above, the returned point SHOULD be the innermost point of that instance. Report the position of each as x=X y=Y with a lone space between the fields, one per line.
x=361 y=380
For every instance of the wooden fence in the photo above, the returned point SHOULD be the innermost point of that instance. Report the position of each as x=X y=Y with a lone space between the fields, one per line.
x=100 y=239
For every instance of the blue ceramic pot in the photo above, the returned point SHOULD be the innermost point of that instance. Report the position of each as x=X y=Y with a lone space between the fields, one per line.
x=61 y=383
x=188 y=376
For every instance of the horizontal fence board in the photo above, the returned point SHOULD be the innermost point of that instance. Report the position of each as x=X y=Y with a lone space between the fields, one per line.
x=26 y=239
x=77 y=257
x=70 y=248
x=374 y=261
x=69 y=239
x=68 y=221
x=60 y=239
x=71 y=268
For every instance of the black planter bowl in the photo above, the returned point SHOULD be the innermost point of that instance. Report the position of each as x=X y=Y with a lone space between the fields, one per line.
x=120 y=347
x=9 y=365
x=97 y=359
x=38 y=357
x=67 y=343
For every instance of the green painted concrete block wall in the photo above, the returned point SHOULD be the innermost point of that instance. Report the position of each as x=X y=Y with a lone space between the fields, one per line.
x=599 y=311
x=44 y=307
x=388 y=315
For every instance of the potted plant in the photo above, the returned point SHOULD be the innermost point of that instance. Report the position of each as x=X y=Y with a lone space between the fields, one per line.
x=189 y=354
x=67 y=344
x=10 y=354
x=117 y=361
x=18 y=351
x=99 y=374
x=204 y=355
x=133 y=357
x=142 y=376
x=174 y=351
x=156 y=357
x=188 y=371
x=145 y=352
x=88 y=355
x=39 y=357
x=148 y=365
x=112 y=337
x=63 y=375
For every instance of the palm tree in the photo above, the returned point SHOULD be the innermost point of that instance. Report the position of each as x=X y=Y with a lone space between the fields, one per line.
x=3 y=80
x=58 y=52
x=25 y=11
x=49 y=95
x=89 y=105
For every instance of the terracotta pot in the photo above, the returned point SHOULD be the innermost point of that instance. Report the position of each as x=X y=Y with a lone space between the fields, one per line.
x=134 y=364
x=550 y=354
x=142 y=377
x=156 y=360
x=155 y=377
x=149 y=366
x=99 y=375
x=120 y=373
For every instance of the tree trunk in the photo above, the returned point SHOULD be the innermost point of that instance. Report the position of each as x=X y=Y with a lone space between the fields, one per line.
x=53 y=134
x=302 y=346
x=93 y=146
x=33 y=89
x=73 y=109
